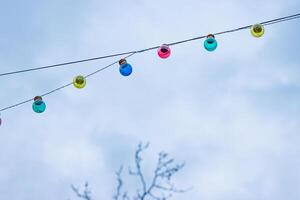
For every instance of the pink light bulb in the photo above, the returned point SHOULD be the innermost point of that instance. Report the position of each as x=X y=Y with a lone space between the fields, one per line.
x=164 y=51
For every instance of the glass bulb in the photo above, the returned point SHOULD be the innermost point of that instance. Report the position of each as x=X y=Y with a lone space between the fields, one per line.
x=210 y=44
x=125 y=68
x=79 y=82
x=257 y=30
x=39 y=106
x=164 y=51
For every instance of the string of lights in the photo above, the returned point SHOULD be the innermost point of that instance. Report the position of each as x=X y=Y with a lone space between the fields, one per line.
x=270 y=22
x=61 y=87
x=163 y=51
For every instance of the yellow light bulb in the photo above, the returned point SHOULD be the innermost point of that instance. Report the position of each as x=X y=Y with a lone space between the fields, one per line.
x=257 y=30
x=79 y=82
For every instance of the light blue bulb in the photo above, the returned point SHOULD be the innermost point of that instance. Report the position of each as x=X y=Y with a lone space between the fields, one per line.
x=125 y=69
x=210 y=44
x=39 y=106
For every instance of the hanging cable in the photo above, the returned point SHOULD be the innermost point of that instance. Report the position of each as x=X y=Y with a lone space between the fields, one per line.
x=273 y=21
x=62 y=87
x=128 y=54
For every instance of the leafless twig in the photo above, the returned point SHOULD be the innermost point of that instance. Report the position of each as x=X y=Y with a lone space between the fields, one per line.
x=85 y=194
x=161 y=180
x=160 y=187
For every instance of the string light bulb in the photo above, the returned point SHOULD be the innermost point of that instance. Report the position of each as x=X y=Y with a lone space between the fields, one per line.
x=257 y=30
x=79 y=82
x=0 y=120
x=38 y=105
x=164 y=51
x=125 y=68
x=210 y=44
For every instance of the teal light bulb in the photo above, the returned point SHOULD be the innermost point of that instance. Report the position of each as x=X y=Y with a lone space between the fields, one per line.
x=210 y=44
x=38 y=105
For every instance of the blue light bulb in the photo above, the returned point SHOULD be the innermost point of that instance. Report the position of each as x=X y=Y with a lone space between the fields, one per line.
x=125 y=68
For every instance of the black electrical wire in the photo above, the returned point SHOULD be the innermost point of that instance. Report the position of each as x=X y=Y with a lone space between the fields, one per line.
x=65 y=63
x=282 y=19
x=129 y=54
x=62 y=87
x=273 y=21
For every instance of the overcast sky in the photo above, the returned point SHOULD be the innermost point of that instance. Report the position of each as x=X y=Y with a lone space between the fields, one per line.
x=232 y=115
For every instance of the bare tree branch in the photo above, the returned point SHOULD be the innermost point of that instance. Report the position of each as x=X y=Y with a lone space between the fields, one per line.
x=138 y=172
x=119 y=194
x=163 y=173
x=85 y=194
x=160 y=187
